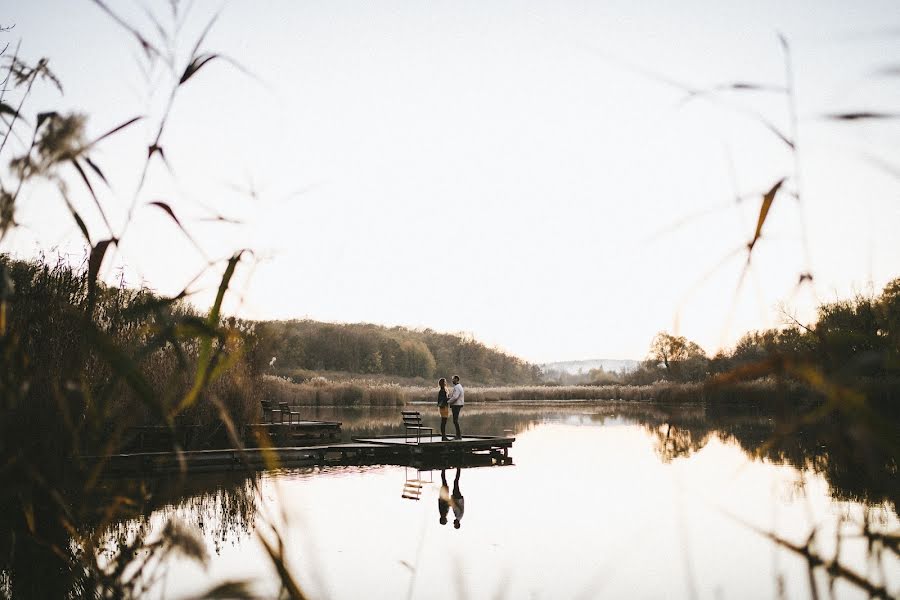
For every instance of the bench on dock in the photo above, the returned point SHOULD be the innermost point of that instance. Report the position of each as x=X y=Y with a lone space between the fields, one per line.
x=286 y=410
x=269 y=411
x=412 y=421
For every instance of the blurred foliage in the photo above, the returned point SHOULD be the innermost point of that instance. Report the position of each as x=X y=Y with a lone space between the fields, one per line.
x=82 y=363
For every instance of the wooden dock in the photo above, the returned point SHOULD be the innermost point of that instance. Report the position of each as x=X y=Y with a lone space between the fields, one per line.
x=434 y=447
x=429 y=453
x=297 y=433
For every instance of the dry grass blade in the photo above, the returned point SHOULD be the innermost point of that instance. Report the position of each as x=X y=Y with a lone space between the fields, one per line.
x=862 y=116
x=754 y=87
x=195 y=65
x=737 y=86
x=789 y=142
x=764 y=208
x=116 y=129
x=833 y=567
x=278 y=559
x=206 y=366
x=149 y=48
x=203 y=35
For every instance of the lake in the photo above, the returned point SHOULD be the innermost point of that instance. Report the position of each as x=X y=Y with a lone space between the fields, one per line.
x=610 y=500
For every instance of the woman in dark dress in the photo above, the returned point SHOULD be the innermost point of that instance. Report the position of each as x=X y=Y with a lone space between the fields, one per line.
x=442 y=403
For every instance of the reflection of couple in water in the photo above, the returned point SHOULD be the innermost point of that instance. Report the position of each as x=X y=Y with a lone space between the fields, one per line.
x=446 y=500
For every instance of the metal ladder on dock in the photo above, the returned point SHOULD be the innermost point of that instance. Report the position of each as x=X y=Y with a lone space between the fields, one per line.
x=412 y=488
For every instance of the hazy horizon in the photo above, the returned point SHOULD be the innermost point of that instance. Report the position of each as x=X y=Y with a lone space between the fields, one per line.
x=521 y=173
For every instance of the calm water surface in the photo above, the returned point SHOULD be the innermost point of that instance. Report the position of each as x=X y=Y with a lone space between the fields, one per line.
x=623 y=501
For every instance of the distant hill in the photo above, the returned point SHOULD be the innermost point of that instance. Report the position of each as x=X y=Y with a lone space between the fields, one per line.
x=574 y=367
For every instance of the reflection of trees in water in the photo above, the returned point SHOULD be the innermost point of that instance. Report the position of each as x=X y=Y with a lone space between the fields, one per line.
x=221 y=507
x=476 y=419
x=672 y=441
x=856 y=468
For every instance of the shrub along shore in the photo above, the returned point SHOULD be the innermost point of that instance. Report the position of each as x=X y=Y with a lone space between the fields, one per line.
x=765 y=391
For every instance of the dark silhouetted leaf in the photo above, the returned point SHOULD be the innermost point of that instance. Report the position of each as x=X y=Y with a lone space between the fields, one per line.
x=44 y=116
x=90 y=188
x=153 y=304
x=81 y=226
x=6 y=109
x=157 y=149
x=96 y=169
x=768 y=198
x=168 y=210
x=94 y=262
x=195 y=65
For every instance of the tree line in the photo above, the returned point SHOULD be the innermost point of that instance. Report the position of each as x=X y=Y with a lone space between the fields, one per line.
x=361 y=348
x=851 y=338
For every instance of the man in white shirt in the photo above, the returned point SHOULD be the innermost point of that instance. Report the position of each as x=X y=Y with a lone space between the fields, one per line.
x=457 y=399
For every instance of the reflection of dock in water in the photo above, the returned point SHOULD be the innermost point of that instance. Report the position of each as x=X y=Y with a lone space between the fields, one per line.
x=428 y=453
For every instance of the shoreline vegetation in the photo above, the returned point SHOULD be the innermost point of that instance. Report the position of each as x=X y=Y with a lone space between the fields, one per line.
x=853 y=345
x=764 y=391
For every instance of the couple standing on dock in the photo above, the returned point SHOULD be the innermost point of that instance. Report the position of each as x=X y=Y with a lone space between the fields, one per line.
x=454 y=401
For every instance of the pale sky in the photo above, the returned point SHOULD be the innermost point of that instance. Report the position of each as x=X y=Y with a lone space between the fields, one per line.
x=515 y=170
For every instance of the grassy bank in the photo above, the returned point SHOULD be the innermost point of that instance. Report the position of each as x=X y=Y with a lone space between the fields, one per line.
x=321 y=392
x=122 y=354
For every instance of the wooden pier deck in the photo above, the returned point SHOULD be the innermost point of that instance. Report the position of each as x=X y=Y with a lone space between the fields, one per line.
x=434 y=445
x=293 y=434
x=381 y=450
